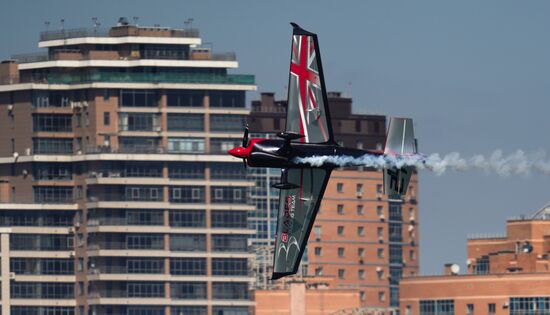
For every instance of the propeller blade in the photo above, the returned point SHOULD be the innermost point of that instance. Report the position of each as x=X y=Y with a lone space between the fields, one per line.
x=245 y=137
x=244 y=163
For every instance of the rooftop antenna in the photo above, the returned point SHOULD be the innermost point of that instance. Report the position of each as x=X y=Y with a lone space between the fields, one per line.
x=189 y=22
x=350 y=86
x=135 y=18
x=63 y=24
x=47 y=24
x=96 y=24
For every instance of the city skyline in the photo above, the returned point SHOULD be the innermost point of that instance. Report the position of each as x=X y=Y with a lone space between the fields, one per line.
x=472 y=76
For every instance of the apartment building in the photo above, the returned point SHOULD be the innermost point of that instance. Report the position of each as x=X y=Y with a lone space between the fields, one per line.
x=506 y=274
x=361 y=240
x=116 y=192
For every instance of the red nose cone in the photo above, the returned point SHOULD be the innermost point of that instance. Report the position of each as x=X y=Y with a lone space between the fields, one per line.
x=238 y=152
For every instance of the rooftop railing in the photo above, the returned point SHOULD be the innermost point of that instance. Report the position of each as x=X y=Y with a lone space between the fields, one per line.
x=105 y=32
x=486 y=236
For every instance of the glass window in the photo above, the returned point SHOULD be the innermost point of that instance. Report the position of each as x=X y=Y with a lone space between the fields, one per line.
x=361 y=231
x=139 y=122
x=233 y=171
x=341 y=273
x=52 y=145
x=340 y=187
x=491 y=308
x=52 y=171
x=185 y=145
x=185 y=98
x=380 y=252
x=340 y=252
x=52 y=122
x=188 y=310
x=381 y=296
x=187 y=218
x=361 y=252
x=138 y=98
x=145 y=289
x=229 y=219
x=188 y=266
x=360 y=210
x=340 y=209
x=230 y=291
x=53 y=194
x=436 y=307
x=185 y=122
x=395 y=232
x=227 y=98
x=340 y=230
x=188 y=242
x=187 y=194
x=227 y=123
x=361 y=274
x=186 y=170
x=188 y=290
x=106 y=118
x=469 y=309
x=318 y=251
x=395 y=212
x=229 y=243
x=229 y=266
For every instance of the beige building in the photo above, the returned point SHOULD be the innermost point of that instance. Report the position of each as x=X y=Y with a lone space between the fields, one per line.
x=116 y=192
x=507 y=274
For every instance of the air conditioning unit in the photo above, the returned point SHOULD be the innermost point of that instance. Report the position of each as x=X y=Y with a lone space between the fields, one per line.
x=505 y=305
x=72 y=254
x=361 y=261
x=28 y=151
x=85 y=104
x=72 y=230
x=378 y=269
x=25 y=172
x=382 y=217
x=93 y=174
x=379 y=196
x=12 y=275
x=380 y=239
x=10 y=107
x=158 y=128
x=411 y=228
x=412 y=218
x=359 y=194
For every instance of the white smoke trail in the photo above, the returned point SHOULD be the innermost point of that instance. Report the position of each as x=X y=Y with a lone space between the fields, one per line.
x=517 y=163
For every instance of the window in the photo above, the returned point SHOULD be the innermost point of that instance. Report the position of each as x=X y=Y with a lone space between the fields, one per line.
x=341 y=273
x=228 y=219
x=340 y=187
x=187 y=170
x=529 y=305
x=362 y=295
x=482 y=266
x=396 y=254
x=411 y=213
x=227 y=123
x=395 y=212
x=381 y=296
x=185 y=122
x=361 y=274
x=340 y=230
x=13 y=145
x=395 y=231
x=379 y=211
x=340 y=209
x=229 y=243
x=184 y=98
x=491 y=308
x=361 y=231
x=188 y=242
x=340 y=252
x=436 y=307
x=52 y=122
x=230 y=291
x=412 y=255
x=106 y=94
x=185 y=145
x=359 y=145
x=359 y=189
x=380 y=232
x=187 y=218
x=106 y=118
x=361 y=252
x=408 y=310
x=138 y=98
x=380 y=274
x=51 y=145
x=229 y=266
x=145 y=265
x=318 y=251
x=78 y=120
x=139 y=122
x=319 y=271
x=188 y=290
x=379 y=188
x=317 y=231
x=188 y=266
x=469 y=309
x=360 y=210
x=380 y=253
x=227 y=98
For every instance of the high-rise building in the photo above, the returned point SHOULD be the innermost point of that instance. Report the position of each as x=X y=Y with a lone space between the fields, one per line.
x=360 y=239
x=116 y=195
x=506 y=274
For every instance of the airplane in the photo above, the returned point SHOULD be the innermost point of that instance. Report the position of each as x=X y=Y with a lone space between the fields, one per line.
x=308 y=133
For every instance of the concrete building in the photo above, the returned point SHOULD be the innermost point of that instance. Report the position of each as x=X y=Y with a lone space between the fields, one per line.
x=361 y=240
x=115 y=188
x=507 y=274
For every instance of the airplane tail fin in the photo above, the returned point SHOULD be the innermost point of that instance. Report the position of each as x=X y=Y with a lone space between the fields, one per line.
x=399 y=142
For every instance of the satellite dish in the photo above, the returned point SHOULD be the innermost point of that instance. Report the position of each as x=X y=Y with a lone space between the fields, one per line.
x=455 y=269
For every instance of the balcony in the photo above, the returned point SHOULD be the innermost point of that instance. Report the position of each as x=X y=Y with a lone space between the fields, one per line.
x=196 y=78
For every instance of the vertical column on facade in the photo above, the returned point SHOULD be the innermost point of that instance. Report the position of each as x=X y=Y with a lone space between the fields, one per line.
x=166 y=220
x=163 y=119
x=207 y=209
x=206 y=105
x=5 y=261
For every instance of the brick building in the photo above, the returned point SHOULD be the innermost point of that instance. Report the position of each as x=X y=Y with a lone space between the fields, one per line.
x=506 y=274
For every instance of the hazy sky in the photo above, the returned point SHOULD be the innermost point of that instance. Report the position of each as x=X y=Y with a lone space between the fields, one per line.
x=474 y=75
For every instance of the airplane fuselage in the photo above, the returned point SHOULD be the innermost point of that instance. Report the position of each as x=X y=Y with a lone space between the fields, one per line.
x=278 y=153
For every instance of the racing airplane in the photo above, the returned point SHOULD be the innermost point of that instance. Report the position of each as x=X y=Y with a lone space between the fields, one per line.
x=309 y=133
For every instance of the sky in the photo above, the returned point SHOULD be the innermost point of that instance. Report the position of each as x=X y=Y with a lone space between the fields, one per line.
x=474 y=76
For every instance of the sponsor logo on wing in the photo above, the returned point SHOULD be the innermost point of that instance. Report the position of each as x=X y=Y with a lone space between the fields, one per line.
x=286 y=246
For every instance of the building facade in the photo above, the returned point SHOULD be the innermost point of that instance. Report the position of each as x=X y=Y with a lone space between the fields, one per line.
x=361 y=240
x=116 y=192
x=506 y=274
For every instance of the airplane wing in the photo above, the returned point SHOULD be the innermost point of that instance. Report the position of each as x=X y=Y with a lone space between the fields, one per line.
x=297 y=210
x=307 y=112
